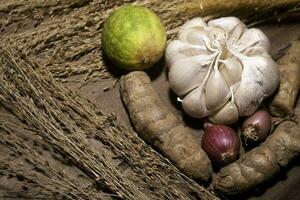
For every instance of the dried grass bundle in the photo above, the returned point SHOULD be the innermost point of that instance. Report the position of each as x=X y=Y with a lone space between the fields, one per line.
x=56 y=145
x=251 y=11
x=69 y=43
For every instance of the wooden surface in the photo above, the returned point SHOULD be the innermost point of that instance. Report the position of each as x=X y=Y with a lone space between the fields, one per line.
x=285 y=186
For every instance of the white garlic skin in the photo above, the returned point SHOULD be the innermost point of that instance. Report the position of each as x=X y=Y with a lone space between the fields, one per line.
x=221 y=69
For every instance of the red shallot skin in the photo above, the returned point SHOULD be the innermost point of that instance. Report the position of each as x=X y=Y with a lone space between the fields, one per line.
x=221 y=143
x=256 y=128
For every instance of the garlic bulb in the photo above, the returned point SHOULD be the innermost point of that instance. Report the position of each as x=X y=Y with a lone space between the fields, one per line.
x=221 y=69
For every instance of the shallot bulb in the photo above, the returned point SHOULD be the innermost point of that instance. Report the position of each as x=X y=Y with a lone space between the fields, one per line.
x=256 y=128
x=221 y=143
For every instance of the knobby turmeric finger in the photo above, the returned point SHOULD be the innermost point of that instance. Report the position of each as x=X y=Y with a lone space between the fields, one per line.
x=289 y=66
x=160 y=127
x=262 y=162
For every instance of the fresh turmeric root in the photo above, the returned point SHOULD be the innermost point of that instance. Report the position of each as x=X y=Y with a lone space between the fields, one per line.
x=289 y=66
x=160 y=127
x=263 y=162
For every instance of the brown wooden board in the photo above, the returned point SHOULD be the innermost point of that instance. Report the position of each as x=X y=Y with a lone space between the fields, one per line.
x=284 y=186
x=105 y=91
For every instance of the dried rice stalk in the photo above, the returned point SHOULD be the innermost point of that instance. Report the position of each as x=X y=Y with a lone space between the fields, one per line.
x=54 y=124
x=251 y=11
x=69 y=44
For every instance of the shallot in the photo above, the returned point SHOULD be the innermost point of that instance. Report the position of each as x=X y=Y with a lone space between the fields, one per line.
x=256 y=128
x=221 y=143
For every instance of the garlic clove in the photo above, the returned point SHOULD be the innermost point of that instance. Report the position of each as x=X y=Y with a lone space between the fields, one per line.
x=269 y=73
x=271 y=77
x=194 y=103
x=195 y=25
x=195 y=22
x=226 y=23
x=197 y=38
x=249 y=95
x=187 y=74
x=256 y=51
x=231 y=69
x=236 y=32
x=172 y=52
x=254 y=37
x=178 y=50
x=228 y=114
x=216 y=91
